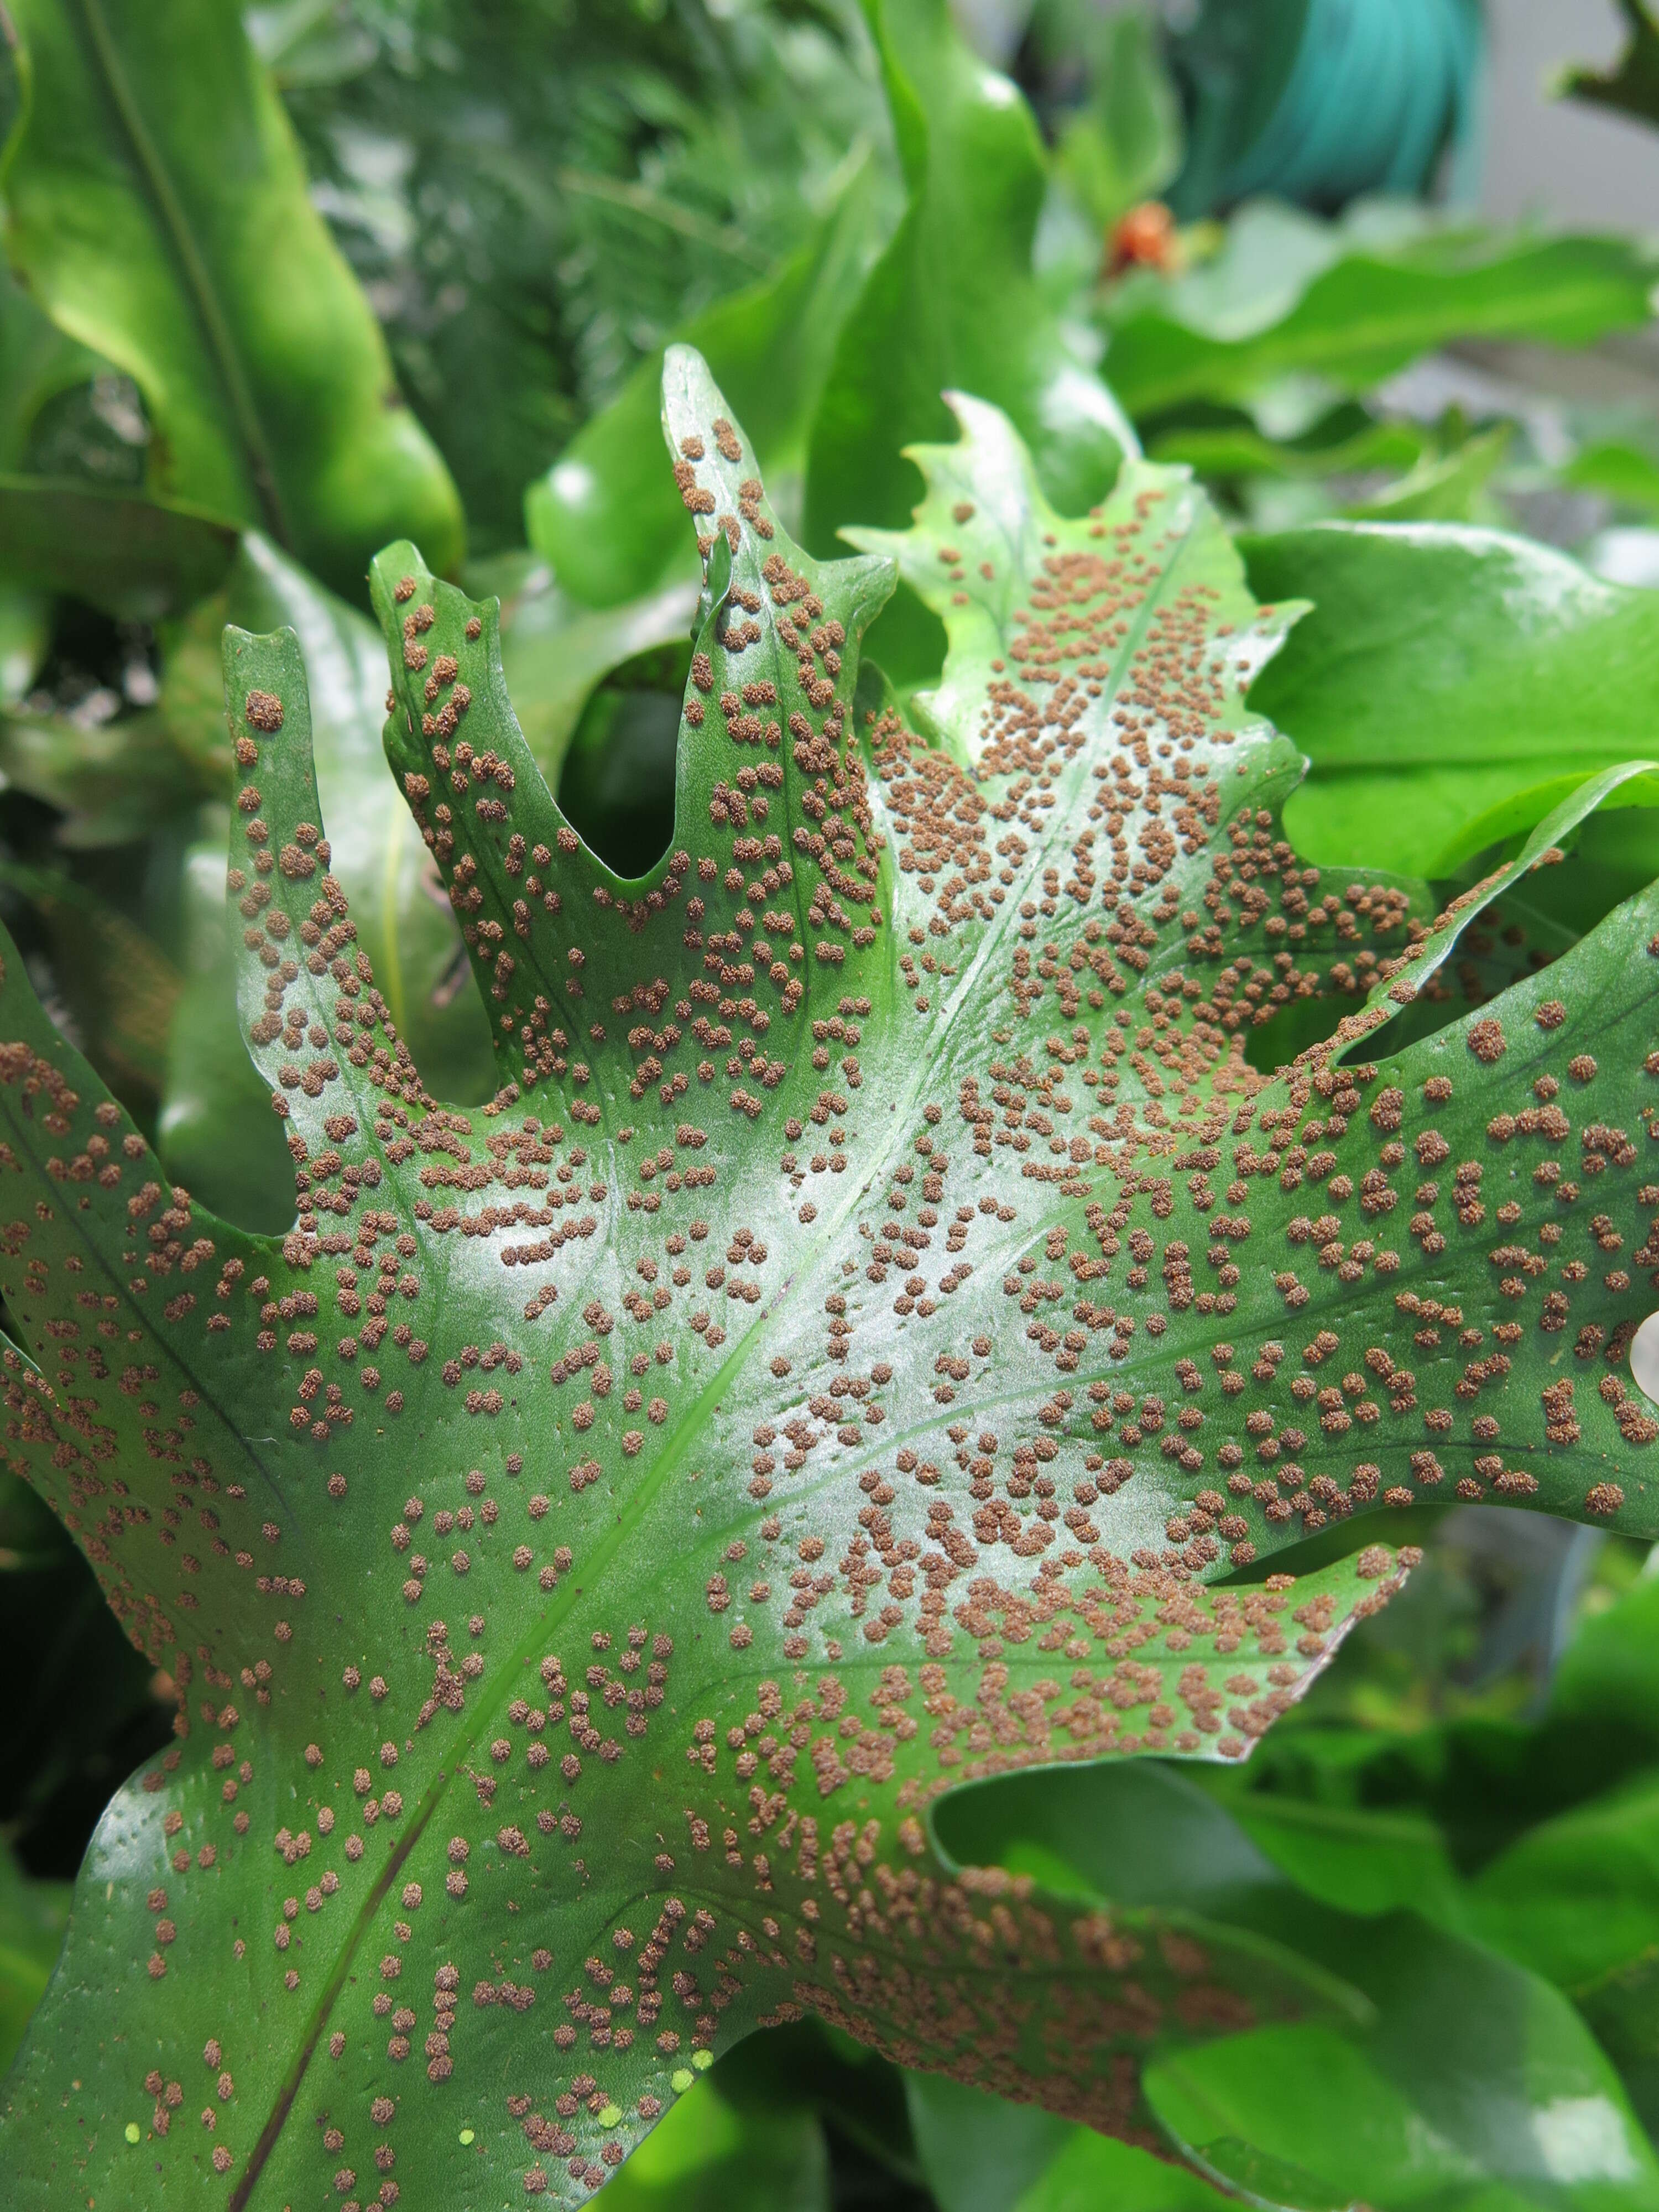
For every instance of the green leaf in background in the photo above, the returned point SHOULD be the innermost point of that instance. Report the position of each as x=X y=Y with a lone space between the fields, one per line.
x=1441 y=488
x=712 y=2155
x=1348 y=464
x=556 y=651
x=1123 y=143
x=1349 y=302
x=1552 y=1823
x=1621 y=471
x=1631 y=86
x=73 y=515
x=982 y=2154
x=1360 y=1860
x=215 y=1129
x=41 y=370
x=1304 y=2119
x=1576 y=1898
x=94 y=1706
x=136 y=558
x=954 y=304
x=858 y=2096
x=1335 y=1800
x=1472 y=2084
x=1607 y=1687
x=33 y=1918
x=537 y=198
x=123 y=990
x=1441 y=671
x=158 y=212
x=113 y=781
x=604 y=517
x=617 y=579
x=1349 y=441
x=1091 y=2171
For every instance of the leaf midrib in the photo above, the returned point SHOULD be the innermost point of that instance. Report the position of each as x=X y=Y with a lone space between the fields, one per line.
x=681 y=1440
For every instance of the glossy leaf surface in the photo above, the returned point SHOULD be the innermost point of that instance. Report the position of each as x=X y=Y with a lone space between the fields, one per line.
x=159 y=213
x=593 y=1539
x=1441 y=671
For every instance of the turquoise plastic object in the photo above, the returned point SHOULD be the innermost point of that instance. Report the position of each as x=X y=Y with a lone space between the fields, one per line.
x=1319 y=102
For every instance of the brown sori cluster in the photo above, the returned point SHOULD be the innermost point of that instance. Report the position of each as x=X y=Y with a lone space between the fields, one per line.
x=882 y=1297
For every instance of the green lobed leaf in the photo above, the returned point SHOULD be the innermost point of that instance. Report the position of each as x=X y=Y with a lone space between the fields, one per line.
x=593 y=1539
x=158 y=211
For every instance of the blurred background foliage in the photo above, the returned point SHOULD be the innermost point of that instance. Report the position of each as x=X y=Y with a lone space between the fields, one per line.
x=290 y=281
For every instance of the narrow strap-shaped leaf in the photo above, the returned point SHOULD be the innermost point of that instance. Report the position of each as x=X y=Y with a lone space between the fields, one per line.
x=158 y=210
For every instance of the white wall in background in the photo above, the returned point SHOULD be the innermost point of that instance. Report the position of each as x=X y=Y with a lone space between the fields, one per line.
x=1558 y=159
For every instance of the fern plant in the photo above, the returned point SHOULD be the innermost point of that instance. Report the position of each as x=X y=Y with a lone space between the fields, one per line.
x=763 y=1543
x=879 y=1304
